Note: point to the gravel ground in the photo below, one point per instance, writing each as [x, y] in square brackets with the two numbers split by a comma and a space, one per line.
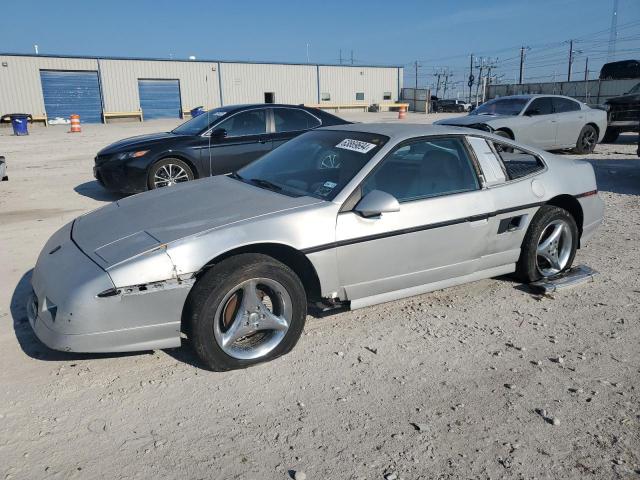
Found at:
[479, 381]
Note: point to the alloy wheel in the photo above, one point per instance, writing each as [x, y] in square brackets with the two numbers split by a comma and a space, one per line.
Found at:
[168, 175]
[253, 318]
[554, 248]
[589, 140]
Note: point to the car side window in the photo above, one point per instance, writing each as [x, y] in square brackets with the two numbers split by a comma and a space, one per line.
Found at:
[423, 169]
[540, 106]
[250, 122]
[517, 163]
[293, 120]
[562, 105]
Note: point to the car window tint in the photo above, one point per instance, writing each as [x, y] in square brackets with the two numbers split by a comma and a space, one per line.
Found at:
[318, 163]
[251, 122]
[292, 120]
[423, 169]
[517, 163]
[561, 105]
[541, 106]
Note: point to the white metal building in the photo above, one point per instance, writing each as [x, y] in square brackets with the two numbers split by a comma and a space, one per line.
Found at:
[99, 87]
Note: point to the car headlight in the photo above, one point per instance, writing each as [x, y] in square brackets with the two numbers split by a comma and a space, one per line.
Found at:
[481, 126]
[128, 155]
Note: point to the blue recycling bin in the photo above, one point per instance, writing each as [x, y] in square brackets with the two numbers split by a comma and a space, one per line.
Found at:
[197, 111]
[18, 122]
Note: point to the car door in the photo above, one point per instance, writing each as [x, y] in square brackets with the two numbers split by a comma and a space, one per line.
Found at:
[541, 128]
[571, 119]
[291, 122]
[238, 140]
[438, 234]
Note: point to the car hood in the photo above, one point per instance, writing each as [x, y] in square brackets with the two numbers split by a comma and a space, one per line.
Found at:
[132, 143]
[624, 99]
[471, 120]
[144, 222]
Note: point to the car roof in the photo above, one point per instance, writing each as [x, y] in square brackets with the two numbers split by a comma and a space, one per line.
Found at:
[529, 96]
[245, 106]
[403, 131]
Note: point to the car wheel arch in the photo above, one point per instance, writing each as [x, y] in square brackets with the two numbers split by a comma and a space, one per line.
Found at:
[571, 205]
[291, 257]
[506, 130]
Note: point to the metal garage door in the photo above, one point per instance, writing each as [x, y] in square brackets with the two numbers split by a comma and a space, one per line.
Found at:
[66, 93]
[160, 98]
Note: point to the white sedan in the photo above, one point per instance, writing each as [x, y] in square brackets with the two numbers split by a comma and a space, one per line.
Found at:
[550, 122]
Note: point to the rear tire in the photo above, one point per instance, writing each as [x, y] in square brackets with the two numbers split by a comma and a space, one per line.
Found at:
[227, 339]
[538, 246]
[587, 140]
[167, 172]
[611, 135]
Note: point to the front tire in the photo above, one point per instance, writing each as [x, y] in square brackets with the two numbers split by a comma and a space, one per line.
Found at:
[247, 309]
[611, 135]
[587, 140]
[549, 245]
[168, 172]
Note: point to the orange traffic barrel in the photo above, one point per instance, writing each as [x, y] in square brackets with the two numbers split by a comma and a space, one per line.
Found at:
[75, 123]
[402, 112]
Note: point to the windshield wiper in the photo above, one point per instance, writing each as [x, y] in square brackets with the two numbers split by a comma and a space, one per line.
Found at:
[235, 175]
[266, 184]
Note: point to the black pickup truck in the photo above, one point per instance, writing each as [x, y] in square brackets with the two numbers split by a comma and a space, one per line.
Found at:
[623, 114]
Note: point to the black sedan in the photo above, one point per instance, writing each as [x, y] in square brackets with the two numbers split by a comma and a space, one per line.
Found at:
[219, 141]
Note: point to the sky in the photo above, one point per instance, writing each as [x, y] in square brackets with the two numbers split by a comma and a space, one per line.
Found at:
[439, 35]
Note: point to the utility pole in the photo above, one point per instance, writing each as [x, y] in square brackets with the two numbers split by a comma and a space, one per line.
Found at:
[586, 80]
[522, 49]
[613, 33]
[351, 57]
[479, 66]
[415, 93]
[447, 74]
[437, 75]
[570, 60]
[470, 83]
[340, 56]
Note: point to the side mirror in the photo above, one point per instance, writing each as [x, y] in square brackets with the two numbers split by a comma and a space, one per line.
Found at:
[532, 112]
[218, 134]
[377, 202]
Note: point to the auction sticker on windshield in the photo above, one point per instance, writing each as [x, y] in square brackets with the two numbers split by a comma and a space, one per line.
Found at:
[356, 145]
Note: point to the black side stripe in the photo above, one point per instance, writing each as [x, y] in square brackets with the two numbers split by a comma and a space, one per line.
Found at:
[430, 226]
[419, 228]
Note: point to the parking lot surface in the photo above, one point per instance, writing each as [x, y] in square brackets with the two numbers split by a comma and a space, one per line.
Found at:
[483, 380]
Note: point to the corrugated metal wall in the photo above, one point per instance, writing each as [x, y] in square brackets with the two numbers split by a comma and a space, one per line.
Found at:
[591, 91]
[247, 83]
[21, 88]
[198, 82]
[342, 83]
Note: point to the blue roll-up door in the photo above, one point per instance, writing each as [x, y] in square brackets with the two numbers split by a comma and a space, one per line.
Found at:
[160, 98]
[66, 93]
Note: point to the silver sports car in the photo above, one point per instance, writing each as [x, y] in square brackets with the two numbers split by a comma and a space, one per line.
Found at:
[345, 216]
[550, 122]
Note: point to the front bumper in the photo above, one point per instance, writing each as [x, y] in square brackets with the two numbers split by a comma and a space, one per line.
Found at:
[66, 313]
[121, 177]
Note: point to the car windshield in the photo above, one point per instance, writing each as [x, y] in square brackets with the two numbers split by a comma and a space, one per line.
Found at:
[501, 106]
[635, 89]
[200, 123]
[318, 163]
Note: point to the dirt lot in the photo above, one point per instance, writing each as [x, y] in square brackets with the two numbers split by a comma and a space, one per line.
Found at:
[445, 385]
